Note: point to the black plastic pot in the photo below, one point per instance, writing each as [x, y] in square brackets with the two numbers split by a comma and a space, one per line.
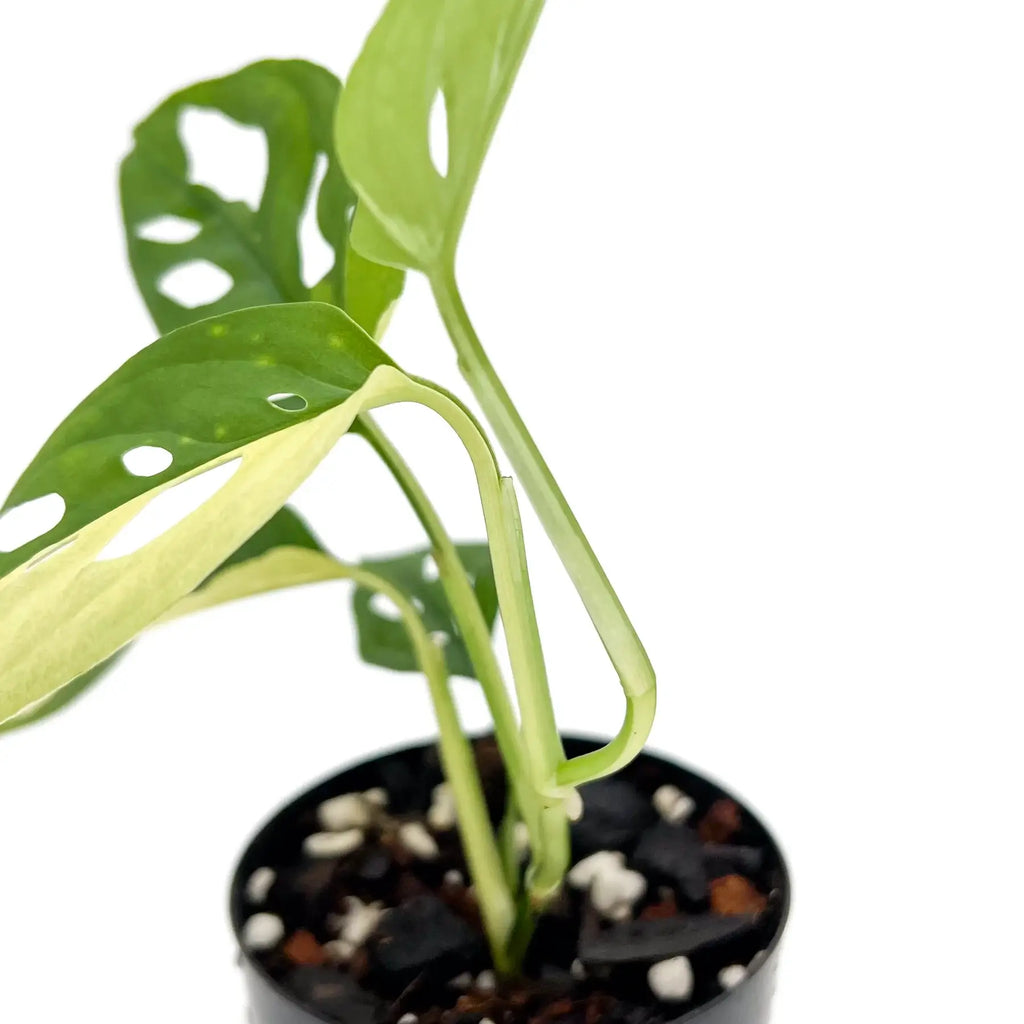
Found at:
[269, 1003]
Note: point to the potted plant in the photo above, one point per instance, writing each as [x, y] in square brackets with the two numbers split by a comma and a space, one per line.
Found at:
[519, 876]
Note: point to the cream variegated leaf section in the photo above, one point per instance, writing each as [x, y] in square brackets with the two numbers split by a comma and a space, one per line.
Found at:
[276, 570]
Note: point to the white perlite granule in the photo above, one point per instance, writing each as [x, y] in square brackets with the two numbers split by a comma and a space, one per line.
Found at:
[582, 875]
[338, 951]
[344, 812]
[672, 980]
[418, 841]
[614, 892]
[442, 814]
[258, 887]
[673, 804]
[614, 888]
[731, 976]
[377, 797]
[262, 932]
[332, 844]
[359, 921]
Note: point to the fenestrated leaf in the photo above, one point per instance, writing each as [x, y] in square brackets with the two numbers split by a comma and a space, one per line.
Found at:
[293, 103]
[201, 393]
[63, 612]
[467, 54]
[284, 553]
[382, 638]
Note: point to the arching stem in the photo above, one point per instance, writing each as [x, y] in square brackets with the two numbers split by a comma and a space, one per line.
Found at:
[627, 654]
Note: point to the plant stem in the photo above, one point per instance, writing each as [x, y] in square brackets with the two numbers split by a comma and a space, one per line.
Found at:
[536, 794]
[497, 905]
[470, 619]
[540, 730]
[627, 654]
[461, 596]
[507, 842]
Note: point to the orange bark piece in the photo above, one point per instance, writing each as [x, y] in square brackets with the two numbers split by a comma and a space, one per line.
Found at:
[721, 823]
[302, 948]
[734, 894]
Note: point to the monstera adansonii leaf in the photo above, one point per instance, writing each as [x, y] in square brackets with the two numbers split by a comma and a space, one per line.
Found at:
[459, 55]
[257, 397]
[292, 103]
[384, 641]
[172, 221]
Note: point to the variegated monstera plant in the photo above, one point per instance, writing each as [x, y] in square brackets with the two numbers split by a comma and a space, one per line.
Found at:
[255, 388]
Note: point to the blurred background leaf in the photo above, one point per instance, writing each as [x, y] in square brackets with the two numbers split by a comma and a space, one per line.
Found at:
[382, 638]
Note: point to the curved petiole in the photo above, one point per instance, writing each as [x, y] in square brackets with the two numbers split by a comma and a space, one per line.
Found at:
[626, 652]
[538, 794]
[497, 904]
[459, 591]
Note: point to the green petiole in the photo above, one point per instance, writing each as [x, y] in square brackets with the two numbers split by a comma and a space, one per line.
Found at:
[497, 905]
[626, 652]
[535, 750]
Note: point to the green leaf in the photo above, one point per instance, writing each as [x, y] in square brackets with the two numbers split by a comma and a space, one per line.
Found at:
[383, 639]
[464, 52]
[201, 394]
[293, 103]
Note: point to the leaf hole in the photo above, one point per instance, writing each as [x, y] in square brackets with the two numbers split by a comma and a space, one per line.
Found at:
[288, 402]
[223, 155]
[315, 252]
[439, 134]
[147, 460]
[30, 521]
[168, 229]
[167, 510]
[430, 571]
[196, 283]
[384, 608]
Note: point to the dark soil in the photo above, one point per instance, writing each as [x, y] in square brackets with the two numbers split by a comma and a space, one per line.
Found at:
[714, 896]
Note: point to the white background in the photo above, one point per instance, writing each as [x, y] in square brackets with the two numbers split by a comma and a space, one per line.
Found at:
[753, 272]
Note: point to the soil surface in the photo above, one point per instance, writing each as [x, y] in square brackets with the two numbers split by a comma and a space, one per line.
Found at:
[361, 908]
